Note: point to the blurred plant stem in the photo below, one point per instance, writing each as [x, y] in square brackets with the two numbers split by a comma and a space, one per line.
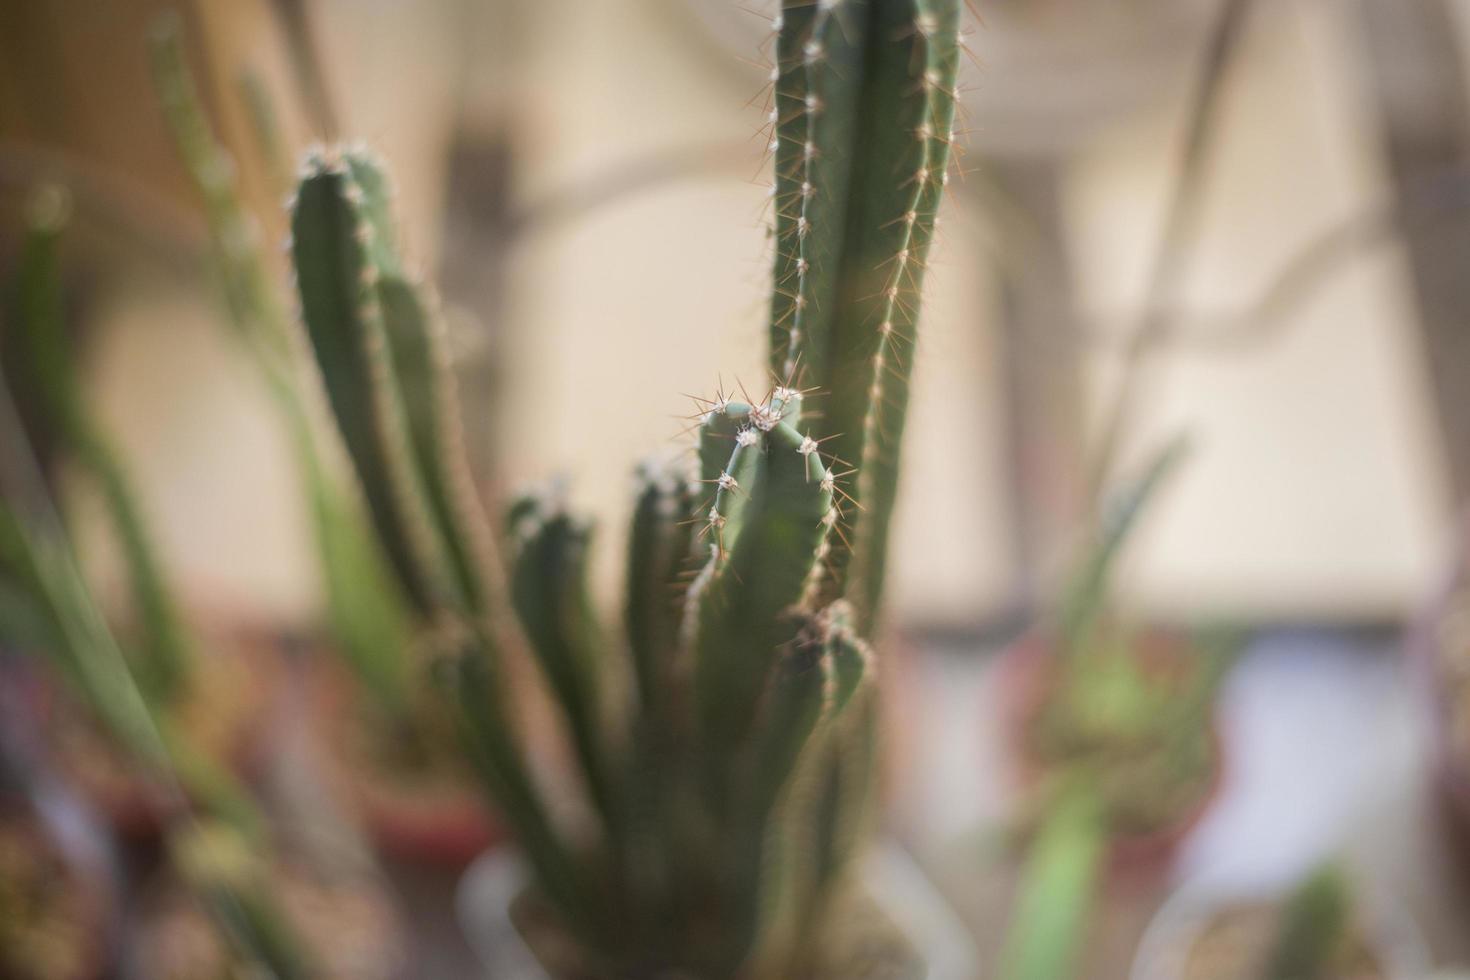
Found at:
[1181, 223]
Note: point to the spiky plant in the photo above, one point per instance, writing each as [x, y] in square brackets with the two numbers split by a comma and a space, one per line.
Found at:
[46, 607]
[727, 781]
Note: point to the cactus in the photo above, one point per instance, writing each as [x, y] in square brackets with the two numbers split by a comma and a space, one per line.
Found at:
[863, 117]
[727, 759]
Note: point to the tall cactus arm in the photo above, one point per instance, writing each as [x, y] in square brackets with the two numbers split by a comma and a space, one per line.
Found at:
[378, 342]
[877, 106]
[766, 531]
[421, 367]
[549, 593]
[39, 367]
[343, 322]
[891, 366]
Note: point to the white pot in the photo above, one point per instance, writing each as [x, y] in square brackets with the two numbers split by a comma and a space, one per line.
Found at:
[905, 894]
[1394, 936]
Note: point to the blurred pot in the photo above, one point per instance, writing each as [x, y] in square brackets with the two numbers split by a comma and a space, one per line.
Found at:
[348, 924]
[929, 941]
[57, 900]
[1391, 939]
[432, 816]
[1027, 675]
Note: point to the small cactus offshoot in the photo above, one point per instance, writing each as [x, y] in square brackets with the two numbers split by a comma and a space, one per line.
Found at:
[724, 737]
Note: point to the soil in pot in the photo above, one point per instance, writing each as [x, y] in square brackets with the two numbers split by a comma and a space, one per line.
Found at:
[1237, 942]
[861, 943]
[405, 780]
[53, 914]
[222, 716]
[347, 923]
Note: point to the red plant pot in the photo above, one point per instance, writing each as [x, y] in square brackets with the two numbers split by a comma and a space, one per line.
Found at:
[1026, 673]
[440, 822]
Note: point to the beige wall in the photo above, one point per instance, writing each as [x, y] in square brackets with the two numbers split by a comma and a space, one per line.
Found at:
[1315, 486]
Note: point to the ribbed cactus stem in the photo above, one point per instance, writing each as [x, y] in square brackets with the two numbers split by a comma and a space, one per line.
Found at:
[379, 342]
[864, 108]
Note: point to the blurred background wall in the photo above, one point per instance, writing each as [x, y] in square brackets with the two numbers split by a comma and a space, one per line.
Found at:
[589, 180]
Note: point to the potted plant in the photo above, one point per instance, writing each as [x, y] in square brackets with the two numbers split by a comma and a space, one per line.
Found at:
[213, 701]
[1112, 735]
[387, 748]
[1322, 929]
[725, 784]
[48, 609]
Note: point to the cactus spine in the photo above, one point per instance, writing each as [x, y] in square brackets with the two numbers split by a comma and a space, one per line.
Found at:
[728, 779]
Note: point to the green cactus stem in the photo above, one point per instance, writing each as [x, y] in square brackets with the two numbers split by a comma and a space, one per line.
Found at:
[730, 780]
[367, 615]
[864, 108]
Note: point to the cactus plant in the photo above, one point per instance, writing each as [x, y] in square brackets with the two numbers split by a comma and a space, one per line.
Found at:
[393, 757]
[726, 761]
[50, 608]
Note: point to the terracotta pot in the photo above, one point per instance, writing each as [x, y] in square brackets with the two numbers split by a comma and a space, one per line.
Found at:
[67, 892]
[349, 925]
[435, 818]
[1026, 674]
[225, 718]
